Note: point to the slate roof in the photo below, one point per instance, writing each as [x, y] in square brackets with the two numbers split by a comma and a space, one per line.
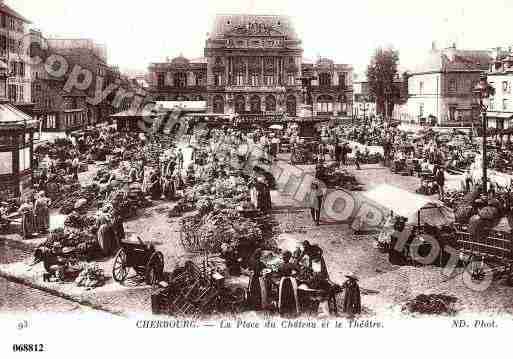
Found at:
[452, 59]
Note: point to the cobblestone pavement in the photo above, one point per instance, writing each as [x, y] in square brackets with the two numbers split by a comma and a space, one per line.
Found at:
[19, 298]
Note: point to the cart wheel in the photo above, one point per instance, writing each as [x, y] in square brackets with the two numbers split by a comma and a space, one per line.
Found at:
[154, 268]
[119, 269]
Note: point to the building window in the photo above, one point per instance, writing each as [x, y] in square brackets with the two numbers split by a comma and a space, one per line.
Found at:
[505, 104]
[269, 80]
[421, 87]
[239, 79]
[291, 79]
[505, 87]
[270, 103]
[218, 80]
[199, 79]
[325, 104]
[160, 79]
[491, 106]
[291, 105]
[325, 80]
[342, 80]
[11, 92]
[452, 113]
[180, 79]
[240, 104]
[453, 86]
[254, 104]
[255, 80]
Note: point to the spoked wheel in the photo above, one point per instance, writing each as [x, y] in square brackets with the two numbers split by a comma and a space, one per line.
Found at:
[154, 268]
[119, 269]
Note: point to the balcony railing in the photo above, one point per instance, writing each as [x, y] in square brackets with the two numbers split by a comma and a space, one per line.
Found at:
[247, 88]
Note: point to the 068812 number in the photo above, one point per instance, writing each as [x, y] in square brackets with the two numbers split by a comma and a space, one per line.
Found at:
[28, 348]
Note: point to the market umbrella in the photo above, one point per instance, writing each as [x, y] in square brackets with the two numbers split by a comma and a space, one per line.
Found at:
[276, 127]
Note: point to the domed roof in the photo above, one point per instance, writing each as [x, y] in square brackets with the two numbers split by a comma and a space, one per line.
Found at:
[180, 61]
[252, 25]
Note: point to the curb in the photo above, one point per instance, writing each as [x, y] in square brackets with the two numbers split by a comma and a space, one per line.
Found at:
[17, 244]
[54, 292]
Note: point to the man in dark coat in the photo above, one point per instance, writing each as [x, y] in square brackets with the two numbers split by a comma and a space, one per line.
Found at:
[440, 180]
[352, 298]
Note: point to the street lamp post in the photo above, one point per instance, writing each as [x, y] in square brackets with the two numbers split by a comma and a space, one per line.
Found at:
[483, 91]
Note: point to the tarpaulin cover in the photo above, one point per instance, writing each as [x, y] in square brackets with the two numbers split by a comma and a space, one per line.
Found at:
[407, 204]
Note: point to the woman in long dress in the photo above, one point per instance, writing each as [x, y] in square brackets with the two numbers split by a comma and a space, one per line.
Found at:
[105, 233]
[257, 289]
[352, 297]
[27, 219]
[42, 213]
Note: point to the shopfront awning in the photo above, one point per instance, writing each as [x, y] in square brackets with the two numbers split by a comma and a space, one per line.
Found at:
[11, 117]
[500, 115]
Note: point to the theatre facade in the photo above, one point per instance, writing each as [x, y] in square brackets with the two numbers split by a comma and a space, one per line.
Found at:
[254, 65]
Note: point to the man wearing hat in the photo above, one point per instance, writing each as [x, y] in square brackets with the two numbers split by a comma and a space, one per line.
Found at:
[352, 297]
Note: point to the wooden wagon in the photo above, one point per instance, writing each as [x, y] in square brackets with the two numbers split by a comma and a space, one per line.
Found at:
[142, 258]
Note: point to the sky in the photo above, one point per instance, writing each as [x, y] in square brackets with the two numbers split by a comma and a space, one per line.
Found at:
[140, 32]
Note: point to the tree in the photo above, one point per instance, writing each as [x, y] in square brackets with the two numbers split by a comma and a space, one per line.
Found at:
[381, 73]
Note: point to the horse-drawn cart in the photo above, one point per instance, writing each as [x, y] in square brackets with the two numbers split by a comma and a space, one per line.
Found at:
[142, 258]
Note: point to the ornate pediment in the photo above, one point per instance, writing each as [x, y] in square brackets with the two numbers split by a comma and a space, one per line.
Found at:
[254, 29]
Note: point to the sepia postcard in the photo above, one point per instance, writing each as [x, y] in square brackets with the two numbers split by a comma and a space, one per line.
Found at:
[193, 178]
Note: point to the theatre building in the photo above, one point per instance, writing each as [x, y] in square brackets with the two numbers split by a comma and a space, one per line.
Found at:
[253, 65]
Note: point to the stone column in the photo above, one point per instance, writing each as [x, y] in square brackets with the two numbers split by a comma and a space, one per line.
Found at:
[261, 71]
[226, 77]
[246, 61]
[276, 71]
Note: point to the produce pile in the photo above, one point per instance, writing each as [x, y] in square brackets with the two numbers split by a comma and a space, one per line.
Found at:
[68, 202]
[91, 276]
[217, 194]
[230, 228]
[438, 304]
[82, 242]
[472, 204]
[78, 221]
[126, 202]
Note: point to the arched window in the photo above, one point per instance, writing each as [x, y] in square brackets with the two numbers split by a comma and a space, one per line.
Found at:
[291, 105]
[270, 103]
[325, 104]
[325, 79]
[218, 104]
[240, 104]
[254, 103]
